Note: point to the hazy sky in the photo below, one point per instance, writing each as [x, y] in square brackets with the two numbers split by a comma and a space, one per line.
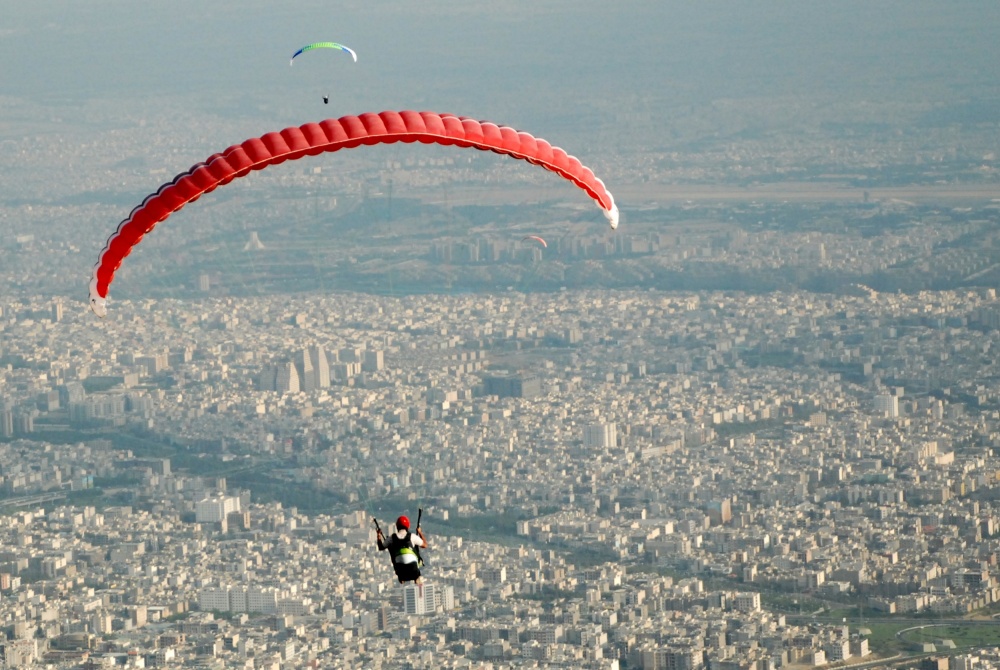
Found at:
[485, 58]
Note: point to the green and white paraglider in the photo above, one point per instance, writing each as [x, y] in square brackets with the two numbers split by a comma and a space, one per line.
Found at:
[324, 45]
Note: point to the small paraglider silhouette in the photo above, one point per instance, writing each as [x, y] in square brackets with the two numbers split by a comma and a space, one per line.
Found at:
[324, 45]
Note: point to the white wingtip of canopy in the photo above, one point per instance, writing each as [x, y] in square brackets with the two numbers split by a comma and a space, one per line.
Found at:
[613, 215]
[98, 305]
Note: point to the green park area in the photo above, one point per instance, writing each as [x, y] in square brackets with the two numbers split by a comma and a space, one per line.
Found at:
[961, 635]
[884, 640]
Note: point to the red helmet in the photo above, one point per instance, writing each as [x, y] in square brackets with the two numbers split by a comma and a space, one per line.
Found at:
[403, 522]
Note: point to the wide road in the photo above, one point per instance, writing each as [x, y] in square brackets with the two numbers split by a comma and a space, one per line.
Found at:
[33, 499]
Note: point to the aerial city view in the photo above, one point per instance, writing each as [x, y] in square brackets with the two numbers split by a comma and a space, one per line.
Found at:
[605, 336]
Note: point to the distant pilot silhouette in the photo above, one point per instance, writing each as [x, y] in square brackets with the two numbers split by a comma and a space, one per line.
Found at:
[326, 100]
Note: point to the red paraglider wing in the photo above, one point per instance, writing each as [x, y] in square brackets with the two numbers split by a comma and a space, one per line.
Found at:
[327, 136]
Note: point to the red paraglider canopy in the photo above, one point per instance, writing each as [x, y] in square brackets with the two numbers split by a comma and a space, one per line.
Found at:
[326, 136]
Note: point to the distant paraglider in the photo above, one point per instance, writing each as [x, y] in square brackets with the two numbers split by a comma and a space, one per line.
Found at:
[535, 238]
[323, 45]
[312, 139]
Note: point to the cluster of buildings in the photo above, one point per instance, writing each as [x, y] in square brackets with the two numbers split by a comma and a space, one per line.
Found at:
[167, 583]
[827, 449]
[313, 368]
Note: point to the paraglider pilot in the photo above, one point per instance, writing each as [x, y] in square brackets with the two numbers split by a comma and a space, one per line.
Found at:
[404, 549]
[326, 100]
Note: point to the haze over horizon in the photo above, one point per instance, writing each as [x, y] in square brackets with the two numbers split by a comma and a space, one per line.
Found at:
[665, 100]
[541, 64]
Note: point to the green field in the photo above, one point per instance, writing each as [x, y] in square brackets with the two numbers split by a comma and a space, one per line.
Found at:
[961, 635]
[883, 639]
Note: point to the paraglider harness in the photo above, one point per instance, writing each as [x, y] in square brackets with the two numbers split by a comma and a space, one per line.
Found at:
[399, 546]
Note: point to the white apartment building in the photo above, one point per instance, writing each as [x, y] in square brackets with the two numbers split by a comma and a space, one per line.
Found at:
[214, 510]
